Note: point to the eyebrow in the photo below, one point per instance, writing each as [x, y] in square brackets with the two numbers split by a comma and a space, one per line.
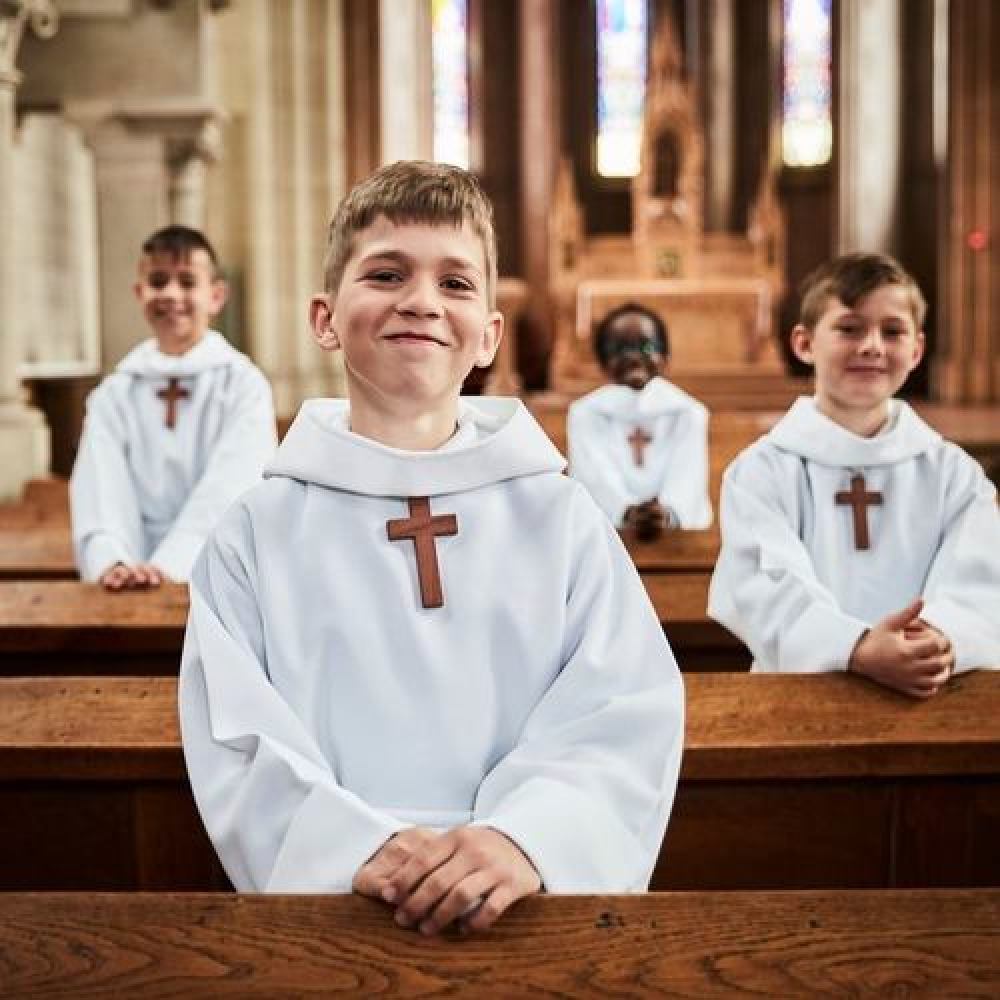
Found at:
[459, 263]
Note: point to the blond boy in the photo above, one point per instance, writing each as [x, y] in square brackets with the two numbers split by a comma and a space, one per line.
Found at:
[419, 663]
[175, 434]
[854, 537]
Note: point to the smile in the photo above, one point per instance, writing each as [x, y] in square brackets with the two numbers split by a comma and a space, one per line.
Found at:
[410, 337]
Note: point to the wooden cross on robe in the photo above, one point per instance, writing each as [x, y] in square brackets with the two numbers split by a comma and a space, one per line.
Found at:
[423, 528]
[859, 499]
[638, 439]
[170, 396]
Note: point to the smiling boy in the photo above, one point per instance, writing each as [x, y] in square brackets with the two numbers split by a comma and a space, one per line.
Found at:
[640, 444]
[175, 434]
[854, 537]
[419, 663]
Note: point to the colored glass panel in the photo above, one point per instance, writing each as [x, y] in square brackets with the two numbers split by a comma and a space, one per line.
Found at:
[807, 125]
[450, 44]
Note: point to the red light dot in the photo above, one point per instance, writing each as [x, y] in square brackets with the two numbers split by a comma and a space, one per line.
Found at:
[976, 240]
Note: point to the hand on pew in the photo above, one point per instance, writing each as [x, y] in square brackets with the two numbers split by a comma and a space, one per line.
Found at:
[905, 653]
[471, 875]
[138, 576]
[648, 520]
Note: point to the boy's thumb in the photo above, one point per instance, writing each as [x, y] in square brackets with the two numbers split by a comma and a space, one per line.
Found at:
[900, 619]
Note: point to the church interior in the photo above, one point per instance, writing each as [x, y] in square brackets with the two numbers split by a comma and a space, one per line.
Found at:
[698, 157]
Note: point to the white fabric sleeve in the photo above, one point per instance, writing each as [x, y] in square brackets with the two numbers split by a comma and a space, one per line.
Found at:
[765, 589]
[590, 465]
[271, 804]
[962, 592]
[104, 510]
[687, 494]
[247, 442]
[587, 790]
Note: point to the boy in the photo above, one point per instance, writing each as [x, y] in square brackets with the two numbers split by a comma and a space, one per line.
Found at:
[419, 662]
[854, 537]
[640, 445]
[175, 434]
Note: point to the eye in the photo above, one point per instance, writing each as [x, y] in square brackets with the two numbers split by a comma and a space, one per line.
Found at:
[383, 276]
[893, 332]
[158, 280]
[850, 328]
[457, 284]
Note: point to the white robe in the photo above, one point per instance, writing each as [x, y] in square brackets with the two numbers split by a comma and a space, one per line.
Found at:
[790, 581]
[142, 492]
[323, 708]
[674, 469]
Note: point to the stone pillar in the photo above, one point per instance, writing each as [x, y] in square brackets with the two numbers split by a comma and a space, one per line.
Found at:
[405, 80]
[720, 159]
[870, 122]
[188, 161]
[24, 436]
[967, 369]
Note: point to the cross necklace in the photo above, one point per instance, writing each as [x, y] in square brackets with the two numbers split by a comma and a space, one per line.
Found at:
[170, 396]
[638, 439]
[421, 527]
[859, 499]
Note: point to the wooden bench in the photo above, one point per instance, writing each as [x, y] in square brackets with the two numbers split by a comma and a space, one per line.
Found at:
[60, 628]
[802, 944]
[37, 552]
[787, 782]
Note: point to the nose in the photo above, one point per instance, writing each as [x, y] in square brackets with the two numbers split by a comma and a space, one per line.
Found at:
[872, 342]
[420, 298]
[170, 290]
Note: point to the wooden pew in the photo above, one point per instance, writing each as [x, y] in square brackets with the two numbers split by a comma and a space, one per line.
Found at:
[63, 628]
[803, 944]
[787, 782]
[37, 552]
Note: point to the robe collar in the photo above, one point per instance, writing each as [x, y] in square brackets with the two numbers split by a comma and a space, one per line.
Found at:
[804, 431]
[147, 360]
[497, 439]
[656, 398]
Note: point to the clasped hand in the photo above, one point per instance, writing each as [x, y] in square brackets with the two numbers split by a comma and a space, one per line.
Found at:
[138, 576]
[905, 653]
[470, 876]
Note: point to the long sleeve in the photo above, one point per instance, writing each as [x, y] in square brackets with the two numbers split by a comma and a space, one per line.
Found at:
[589, 465]
[587, 790]
[104, 510]
[765, 589]
[685, 490]
[962, 593]
[235, 463]
[271, 804]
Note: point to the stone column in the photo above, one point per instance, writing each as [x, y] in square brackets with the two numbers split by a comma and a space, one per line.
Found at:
[870, 117]
[24, 436]
[720, 159]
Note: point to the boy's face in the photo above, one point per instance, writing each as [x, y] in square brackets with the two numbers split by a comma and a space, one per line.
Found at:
[862, 356]
[180, 296]
[411, 316]
[633, 352]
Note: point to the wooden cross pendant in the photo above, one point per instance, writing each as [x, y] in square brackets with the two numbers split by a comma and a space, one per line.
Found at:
[859, 500]
[422, 528]
[170, 396]
[638, 439]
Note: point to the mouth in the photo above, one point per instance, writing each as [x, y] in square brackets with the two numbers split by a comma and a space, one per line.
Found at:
[413, 337]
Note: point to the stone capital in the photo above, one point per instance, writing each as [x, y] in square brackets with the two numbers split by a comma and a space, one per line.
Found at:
[41, 16]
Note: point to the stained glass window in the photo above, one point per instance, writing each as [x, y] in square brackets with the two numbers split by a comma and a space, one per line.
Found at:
[621, 85]
[807, 126]
[450, 43]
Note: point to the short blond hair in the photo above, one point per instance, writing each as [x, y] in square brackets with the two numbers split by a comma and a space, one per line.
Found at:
[850, 278]
[412, 191]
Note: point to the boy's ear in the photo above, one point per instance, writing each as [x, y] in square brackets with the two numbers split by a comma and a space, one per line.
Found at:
[220, 295]
[492, 336]
[919, 347]
[321, 322]
[801, 339]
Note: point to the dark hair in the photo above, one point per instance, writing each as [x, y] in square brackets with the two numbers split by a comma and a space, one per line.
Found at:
[178, 242]
[850, 278]
[602, 334]
[412, 191]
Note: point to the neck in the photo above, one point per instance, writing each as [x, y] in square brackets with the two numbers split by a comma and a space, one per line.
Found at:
[420, 432]
[863, 422]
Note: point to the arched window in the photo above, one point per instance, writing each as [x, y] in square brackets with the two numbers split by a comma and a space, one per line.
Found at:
[807, 124]
[450, 45]
[622, 44]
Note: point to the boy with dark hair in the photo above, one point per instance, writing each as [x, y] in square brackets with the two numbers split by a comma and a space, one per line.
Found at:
[640, 444]
[419, 662]
[175, 434]
[853, 536]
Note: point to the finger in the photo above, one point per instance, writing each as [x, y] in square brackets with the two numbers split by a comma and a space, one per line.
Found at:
[423, 882]
[462, 900]
[900, 619]
[423, 861]
[921, 649]
[493, 907]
